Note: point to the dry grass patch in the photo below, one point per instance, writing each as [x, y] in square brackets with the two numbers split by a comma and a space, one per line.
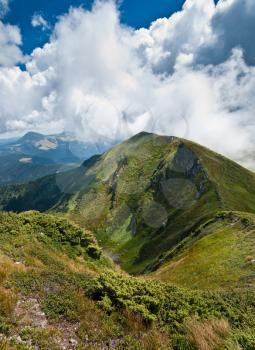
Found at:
[93, 325]
[155, 339]
[134, 322]
[77, 265]
[7, 302]
[7, 267]
[4, 345]
[207, 335]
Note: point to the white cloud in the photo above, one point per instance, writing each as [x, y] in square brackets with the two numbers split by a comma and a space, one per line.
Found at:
[233, 25]
[4, 7]
[98, 78]
[181, 34]
[10, 41]
[39, 21]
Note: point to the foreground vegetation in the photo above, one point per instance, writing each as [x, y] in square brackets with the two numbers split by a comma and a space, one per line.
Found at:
[58, 291]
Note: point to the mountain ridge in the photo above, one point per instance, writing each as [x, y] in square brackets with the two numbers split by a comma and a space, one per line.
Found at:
[142, 198]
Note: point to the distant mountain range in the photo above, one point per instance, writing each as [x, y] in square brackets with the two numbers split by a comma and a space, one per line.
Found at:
[35, 155]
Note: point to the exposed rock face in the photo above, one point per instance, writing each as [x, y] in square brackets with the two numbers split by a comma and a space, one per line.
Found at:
[187, 163]
[181, 179]
[184, 160]
[121, 163]
[133, 225]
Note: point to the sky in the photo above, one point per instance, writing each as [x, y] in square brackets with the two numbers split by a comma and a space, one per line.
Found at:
[133, 13]
[106, 71]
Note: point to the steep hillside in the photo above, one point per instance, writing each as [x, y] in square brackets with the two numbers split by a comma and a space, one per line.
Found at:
[143, 197]
[41, 258]
[57, 291]
[218, 254]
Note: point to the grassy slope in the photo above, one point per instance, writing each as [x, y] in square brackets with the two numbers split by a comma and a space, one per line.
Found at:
[41, 241]
[56, 293]
[234, 184]
[44, 263]
[228, 186]
[220, 254]
[150, 160]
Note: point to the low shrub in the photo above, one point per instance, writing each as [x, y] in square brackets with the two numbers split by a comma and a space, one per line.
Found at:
[94, 251]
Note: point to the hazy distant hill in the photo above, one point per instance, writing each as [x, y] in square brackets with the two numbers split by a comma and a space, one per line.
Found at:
[20, 168]
[35, 155]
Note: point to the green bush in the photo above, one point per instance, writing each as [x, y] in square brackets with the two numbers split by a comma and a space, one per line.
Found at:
[5, 325]
[94, 251]
[246, 339]
[61, 305]
[170, 305]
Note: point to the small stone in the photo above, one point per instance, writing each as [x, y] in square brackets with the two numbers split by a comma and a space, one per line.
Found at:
[17, 339]
[73, 342]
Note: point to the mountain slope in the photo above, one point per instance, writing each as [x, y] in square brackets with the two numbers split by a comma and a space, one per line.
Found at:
[143, 197]
[218, 254]
[58, 292]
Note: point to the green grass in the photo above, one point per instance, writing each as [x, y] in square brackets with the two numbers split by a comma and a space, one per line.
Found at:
[220, 256]
[45, 259]
[234, 184]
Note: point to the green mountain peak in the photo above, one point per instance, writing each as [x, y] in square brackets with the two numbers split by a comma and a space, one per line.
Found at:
[143, 197]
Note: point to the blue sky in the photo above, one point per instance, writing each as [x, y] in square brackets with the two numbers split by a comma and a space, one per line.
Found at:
[135, 13]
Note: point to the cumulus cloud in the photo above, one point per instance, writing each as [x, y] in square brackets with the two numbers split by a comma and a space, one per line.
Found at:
[180, 35]
[4, 7]
[10, 41]
[188, 75]
[233, 25]
[39, 21]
